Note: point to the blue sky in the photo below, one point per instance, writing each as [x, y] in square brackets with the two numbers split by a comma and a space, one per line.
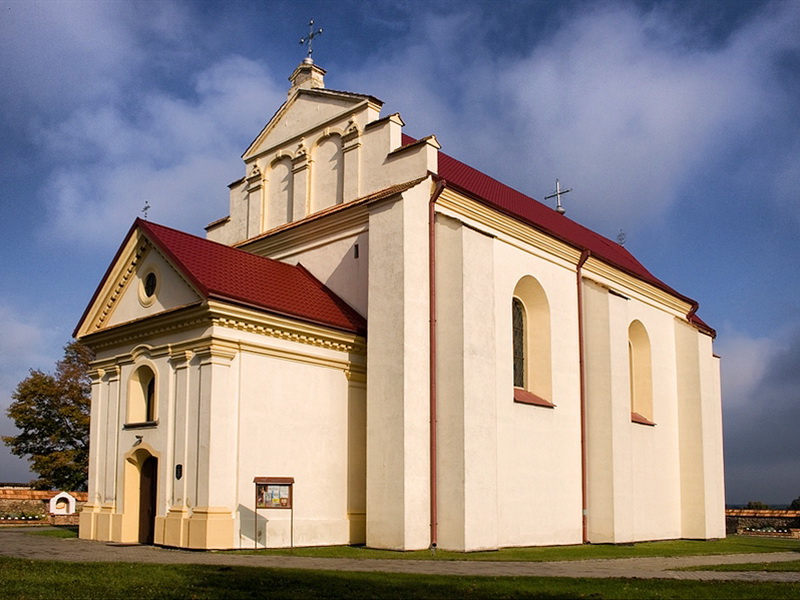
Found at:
[677, 122]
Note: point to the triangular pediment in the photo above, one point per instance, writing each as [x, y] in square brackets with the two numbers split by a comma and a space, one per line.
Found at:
[306, 111]
[141, 282]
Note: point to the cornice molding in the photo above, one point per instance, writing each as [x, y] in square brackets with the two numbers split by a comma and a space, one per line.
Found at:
[345, 219]
[625, 284]
[216, 314]
[284, 354]
[344, 223]
[310, 132]
[473, 213]
[478, 214]
[180, 319]
[117, 281]
[285, 328]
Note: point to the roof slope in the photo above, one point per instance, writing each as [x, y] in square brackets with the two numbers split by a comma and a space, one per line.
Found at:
[228, 274]
[489, 191]
[506, 199]
[525, 208]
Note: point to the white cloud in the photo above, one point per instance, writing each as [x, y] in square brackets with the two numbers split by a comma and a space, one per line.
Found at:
[60, 53]
[761, 409]
[626, 106]
[744, 362]
[28, 341]
[177, 153]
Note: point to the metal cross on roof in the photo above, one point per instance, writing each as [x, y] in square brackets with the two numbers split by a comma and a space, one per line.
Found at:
[146, 208]
[557, 195]
[310, 37]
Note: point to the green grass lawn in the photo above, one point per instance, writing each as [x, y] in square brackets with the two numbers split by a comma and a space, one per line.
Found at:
[789, 566]
[62, 531]
[730, 545]
[26, 579]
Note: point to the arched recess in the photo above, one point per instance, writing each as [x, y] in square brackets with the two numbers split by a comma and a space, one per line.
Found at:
[140, 489]
[142, 397]
[327, 173]
[532, 371]
[279, 193]
[641, 374]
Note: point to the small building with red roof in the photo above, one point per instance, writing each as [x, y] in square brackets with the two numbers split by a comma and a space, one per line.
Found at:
[382, 345]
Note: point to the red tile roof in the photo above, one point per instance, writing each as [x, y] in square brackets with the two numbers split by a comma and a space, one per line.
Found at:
[225, 273]
[232, 275]
[487, 190]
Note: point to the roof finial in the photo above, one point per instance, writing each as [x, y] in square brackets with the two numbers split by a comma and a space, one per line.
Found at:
[308, 39]
[621, 237]
[557, 195]
[146, 208]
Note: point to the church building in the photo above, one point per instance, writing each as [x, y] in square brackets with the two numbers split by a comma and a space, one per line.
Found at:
[381, 345]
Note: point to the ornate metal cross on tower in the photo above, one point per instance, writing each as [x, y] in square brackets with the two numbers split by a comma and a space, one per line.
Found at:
[310, 38]
[559, 209]
[146, 208]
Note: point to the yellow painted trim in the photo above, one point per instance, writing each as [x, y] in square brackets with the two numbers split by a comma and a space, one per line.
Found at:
[455, 205]
[118, 281]
[287, 328]
[113, 285]
[281, 145]
[132, 465]
[307, 359]
[349, 215]
[180, 319]
[211, 528]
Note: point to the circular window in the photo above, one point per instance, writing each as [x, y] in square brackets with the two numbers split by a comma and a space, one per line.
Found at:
[150, 285]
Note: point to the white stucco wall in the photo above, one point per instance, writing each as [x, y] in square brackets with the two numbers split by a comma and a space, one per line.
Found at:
[398, 386]
[539, 460]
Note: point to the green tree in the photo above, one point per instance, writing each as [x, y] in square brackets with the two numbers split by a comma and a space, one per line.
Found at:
[52, 415]
[795, 505]
[755, 504]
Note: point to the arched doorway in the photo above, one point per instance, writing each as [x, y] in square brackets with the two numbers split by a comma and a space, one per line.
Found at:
[148, 479]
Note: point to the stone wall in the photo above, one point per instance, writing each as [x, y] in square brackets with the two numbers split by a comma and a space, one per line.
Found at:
[18, 501]
[758, 522]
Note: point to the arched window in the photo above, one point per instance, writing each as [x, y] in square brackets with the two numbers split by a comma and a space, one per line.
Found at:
[279, 194]
[641, 374]
[142, 404]
[327, 173]
[518, 332]
[530, 325]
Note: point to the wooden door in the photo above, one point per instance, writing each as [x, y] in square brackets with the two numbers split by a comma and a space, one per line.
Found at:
[147, 500]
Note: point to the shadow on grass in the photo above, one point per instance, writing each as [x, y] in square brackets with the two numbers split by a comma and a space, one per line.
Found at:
[667, 548]
[23, 579]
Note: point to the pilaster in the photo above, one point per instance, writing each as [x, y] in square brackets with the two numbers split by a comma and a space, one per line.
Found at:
[216, 403]
[351, 150]
[255, 202]
[179, 363]
[466, 384]
[398, 422]
[301, 181]
[608, 437]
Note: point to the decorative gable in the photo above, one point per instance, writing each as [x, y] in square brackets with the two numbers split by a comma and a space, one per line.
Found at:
[308, 113]
[140, 283]
[158, 270]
